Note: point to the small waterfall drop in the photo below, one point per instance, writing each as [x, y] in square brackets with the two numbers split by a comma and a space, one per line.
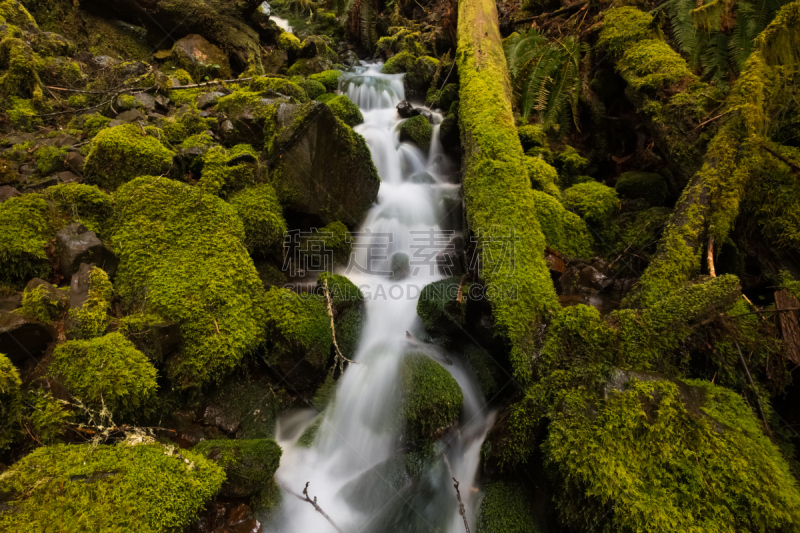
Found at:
[359, 435]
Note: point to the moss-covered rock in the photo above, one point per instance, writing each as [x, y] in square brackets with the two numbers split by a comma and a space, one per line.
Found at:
[680, 444]
[43, 302]
[543, 176]
[91, 319]
[49, 159]
[10, 401]
[418, 131]
[313, 89]
[343, 292]
[227, 170]
[645, 185]
[298, 326]
[249, 464]
[182, 257]
[23, 231]
[105, 371]
[120, 154]
[200, 58]
[432, 398]
[505, 508]
[261, 215]
[328, 78]
[104, 488]
[563, 230]
[439, 308]
[76, 202]
[346, 110]
[419, 75]
[399, 63]
[289, 43]
[592, 200]
[532, 136]
[270, 87]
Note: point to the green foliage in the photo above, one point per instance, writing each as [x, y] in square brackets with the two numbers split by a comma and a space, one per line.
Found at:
[505, 509]
[328, 78]
[122, 153]
[23, 232]
[10, 402]
[298, 324]
[268, 86]
[694, 448]
[646, 185]
[652, 65]
[563, 230]
[92, 319]
[39, 304]
[228, 170]
[592, 200]
[623, 27]
[182, 257]
[45, 416]
[417, 130]
[81, 203]
[49, 159]
[346, 110]
[261, 215]
[398, 63]
[432, 399]
[147, 488]
[105, 371]
[546, 77]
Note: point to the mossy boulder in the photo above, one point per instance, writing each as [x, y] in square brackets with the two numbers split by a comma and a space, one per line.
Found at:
[289, 43]
[261, 215]
[399, 63]
[89, 313]
[227, 170]
[532, 136]
[200, 58]
[343, 293]
[563, 230]
[122, 153]
[244, 409]
[313, 89]
[505, 508]
[15, 13]
[543, 176]
[298, 327]
[23, 235]
[10, 401]
[418, 131]
[81, 203]
[439, 308]
[271, 87]
[146, 487]
[249, 464]
[309, 66]
[43, 302]
[592, 200]
[432, 399]
[647, 439]
[310, 178]
[346, 110]
[105, 371]
[328, 78]
[419, 76]
[648, 186]
[182, 257]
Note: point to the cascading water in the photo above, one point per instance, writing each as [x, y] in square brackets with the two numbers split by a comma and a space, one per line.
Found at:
[358, 436]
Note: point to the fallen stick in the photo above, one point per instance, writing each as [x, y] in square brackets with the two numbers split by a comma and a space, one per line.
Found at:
[313, 502]
[461, 509]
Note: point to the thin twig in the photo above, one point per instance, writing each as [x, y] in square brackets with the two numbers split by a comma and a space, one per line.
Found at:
[753, 387]
[767, 311]
[340, 358]
[461, 509]
[313, 502]
[206, 84]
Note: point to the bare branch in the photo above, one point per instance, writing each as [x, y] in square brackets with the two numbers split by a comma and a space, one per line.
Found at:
[340, 358]
[313, 502]
[461, 509]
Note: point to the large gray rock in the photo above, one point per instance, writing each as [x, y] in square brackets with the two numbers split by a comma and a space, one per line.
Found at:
[77, 245]
[22, 339]
[321, 166]
[6, 192]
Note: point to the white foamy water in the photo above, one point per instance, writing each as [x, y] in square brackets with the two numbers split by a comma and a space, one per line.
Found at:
[359, 430]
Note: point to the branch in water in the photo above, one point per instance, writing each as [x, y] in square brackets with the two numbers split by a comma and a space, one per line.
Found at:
[313, 502]
[461, 509]
[340, 358]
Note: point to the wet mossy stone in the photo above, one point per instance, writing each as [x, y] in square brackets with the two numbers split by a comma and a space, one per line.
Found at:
[309, 177]
[532, 136]
[298, 326]
[81, 203]
[200, 58]
[90, 302]
[684, 444]
[328, 78]
[122, 153]
[592, 200]
[505, 508]
[645, 185]
[244, 409]
[418, 131]
[399, 63]
[182, 257]
[419, 75]
[23, 235]
[15, 13]
[343, 293]
[313, 89]
[10, 401]
[439, 308]
[289, 42]
[146, 487]
[105, 372]
[346, 110]
[249, 464]
[261, 215]
[43, 302]
[432, 399]
[272, 87]
[543, 176]
[563, 230]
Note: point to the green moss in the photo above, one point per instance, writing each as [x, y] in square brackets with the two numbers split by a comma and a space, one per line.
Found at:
[180, 128]
[147, 488]
[653, 65]
[543, 176]
[312, 88]
[346, 110]
[485, 367]
[10, 402]
[92, 319]
[439, 308]
[694, 448]
[49, 159]
[418, 131]
[268, 86]
[420, 74]
[593, 201]
[623, 27]
[298, 324]
[182, 257]
[306, 440]
[23, 232]
[570, 165]
[38, 303]
[90, 124]
[45, 416]
[344, 293]
[15, 13]
[646, 185]
[22, 114]
[532, 136]
[563, 231]
[431, 397]
[107, 38]
[505, 508]
[261, 215]
[328, 78]
[288, 42]
[249, 464]
[398, 63]
[334, 239]
[76, 202]
[225, 171]
[120, 154]
[105, 372]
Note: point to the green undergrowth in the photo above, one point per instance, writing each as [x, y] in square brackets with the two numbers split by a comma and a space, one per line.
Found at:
[505, 508]
[10, 401]
[148, 488]
[23, 233]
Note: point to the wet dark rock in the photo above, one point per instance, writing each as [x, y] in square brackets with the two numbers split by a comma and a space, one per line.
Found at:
[243, 410]
[68, 177]
[208, 99]
[145, 100]
[9, 303]
[275, 61]
[22, 339]
[162, 102]
[406, 110]
[77, 245]
[133, 68]
[450, 136]
[583, 278]
[349, 58]
[198, 56]
[6, 192]
[75, 162]
[132, 115]
[39, 184]
[79, 286]
[157, 340]
[66, 141]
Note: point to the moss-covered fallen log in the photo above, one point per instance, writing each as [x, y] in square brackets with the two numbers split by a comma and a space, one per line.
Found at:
[499, 198]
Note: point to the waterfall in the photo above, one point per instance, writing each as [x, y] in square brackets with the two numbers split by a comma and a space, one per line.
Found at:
[359, 430]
